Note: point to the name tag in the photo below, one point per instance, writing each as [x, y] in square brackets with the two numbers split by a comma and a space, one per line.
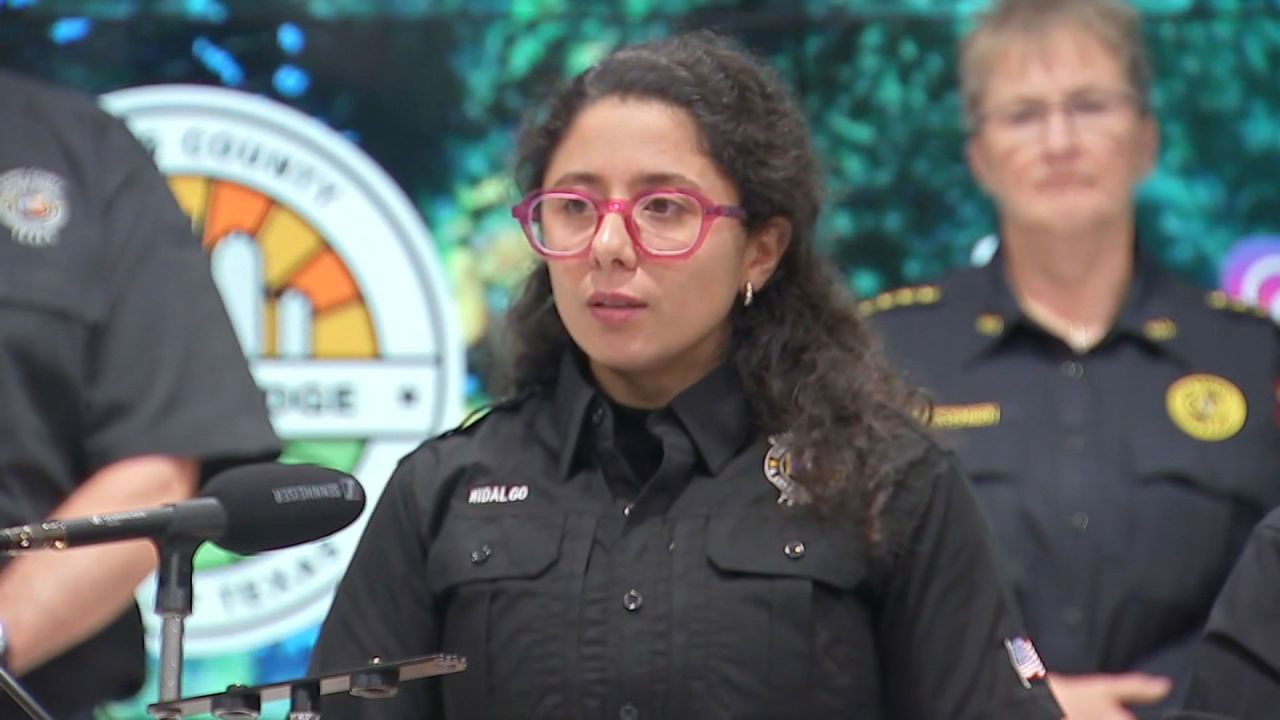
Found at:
[975, 415]
[486, 494]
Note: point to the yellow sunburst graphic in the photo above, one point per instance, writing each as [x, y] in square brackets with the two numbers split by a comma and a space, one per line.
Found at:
[295, 259]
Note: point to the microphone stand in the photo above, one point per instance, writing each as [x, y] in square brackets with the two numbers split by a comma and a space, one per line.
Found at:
[21, 696]
[173, 605]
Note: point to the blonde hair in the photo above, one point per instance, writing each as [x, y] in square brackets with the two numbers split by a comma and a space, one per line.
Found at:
[1112, 22]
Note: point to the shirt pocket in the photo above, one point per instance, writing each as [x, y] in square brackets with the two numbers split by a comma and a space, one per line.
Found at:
[1184, 520]
[44, 338]
[789, 632]
[494, 579]
[996, 465]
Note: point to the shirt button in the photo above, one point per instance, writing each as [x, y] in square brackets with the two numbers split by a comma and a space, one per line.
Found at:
[626, 511]
[632, 600]
[597, 415]
[794, 550]
[1080, 520]
[629, 712]
[1072, 617]
[481, 554]
[1072, 369]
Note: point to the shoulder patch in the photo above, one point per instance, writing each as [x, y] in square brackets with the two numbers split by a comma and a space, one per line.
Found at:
[1219, 300]
[908, 296]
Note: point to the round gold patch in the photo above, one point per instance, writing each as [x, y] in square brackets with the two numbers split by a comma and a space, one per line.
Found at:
[989, 324]
[1160, 329]
[1206, 407]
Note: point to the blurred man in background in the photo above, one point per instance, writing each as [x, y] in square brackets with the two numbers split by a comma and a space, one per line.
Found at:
[121, 385]
[1117, 423]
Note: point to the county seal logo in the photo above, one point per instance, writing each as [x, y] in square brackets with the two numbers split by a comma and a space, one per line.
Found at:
[339, 301]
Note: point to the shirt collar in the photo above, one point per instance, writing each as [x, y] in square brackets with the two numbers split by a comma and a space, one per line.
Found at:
[1148, 307]
[714, 411]
[1145, 313]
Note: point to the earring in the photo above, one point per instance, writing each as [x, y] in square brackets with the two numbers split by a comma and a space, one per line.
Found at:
[749, 296]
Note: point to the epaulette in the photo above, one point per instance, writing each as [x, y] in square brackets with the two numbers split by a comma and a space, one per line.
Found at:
[477, 416]
[1219, 300]
[909, 296]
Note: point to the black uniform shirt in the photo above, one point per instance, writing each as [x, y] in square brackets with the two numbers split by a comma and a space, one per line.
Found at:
[113, 340]
[1121, 483]
[522, 543]
[1236, 667]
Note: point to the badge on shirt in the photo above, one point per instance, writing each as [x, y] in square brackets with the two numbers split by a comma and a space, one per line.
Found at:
[989, 324]
[487, 494]
[1276, 412]
[33, 205]
[1025, 660]
[974, 415]
[777, 470]
[1161, 329]
[1207, 407]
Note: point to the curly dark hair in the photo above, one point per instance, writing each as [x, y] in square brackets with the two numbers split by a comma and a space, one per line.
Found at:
[807, 361]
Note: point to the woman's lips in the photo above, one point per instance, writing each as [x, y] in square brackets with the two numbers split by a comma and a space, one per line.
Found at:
[614, 308]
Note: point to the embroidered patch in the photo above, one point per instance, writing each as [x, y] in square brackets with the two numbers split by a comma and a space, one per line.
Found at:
[975, 415]
[901, 297]
[1276, 410]
[33, 205]
[1206, 407]
[989, 324]
[1160, 329]
[485, 494]
[1025, 660]
[777, 470]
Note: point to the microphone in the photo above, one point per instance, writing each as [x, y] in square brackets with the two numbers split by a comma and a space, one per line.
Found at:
[247, 509]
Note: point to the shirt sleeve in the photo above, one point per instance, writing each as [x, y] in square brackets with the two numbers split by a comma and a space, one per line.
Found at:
[165, 373]
[946, 616]
[1236, 666]
[384, 607]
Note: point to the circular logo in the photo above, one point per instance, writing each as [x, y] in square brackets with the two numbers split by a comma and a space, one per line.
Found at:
[1206, 407]
[33, 205]
[1251, 272]
[338, 299]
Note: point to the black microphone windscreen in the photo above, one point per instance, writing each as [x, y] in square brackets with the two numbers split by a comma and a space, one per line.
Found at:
[272, 505]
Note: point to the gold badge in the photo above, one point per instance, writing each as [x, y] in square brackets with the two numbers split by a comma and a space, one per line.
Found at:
[777, 470]
[989, 324]
[976, 415]
[1206, 407]
[1160, 329]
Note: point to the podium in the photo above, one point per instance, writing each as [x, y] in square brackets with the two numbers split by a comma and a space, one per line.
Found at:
[374, 681]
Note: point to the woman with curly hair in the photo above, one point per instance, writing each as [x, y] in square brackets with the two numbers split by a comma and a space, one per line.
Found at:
[707, 497]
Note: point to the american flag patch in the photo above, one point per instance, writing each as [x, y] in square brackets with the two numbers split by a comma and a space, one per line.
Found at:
[1026, 661]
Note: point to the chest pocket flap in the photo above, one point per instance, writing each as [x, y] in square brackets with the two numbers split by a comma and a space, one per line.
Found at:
[498, 547]
[52, 290]
[1236, 469]
[788, 544]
